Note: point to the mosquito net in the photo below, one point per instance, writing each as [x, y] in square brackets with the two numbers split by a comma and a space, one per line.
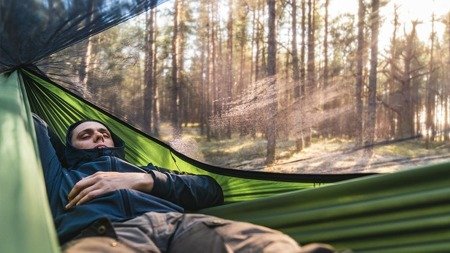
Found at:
[352, 90]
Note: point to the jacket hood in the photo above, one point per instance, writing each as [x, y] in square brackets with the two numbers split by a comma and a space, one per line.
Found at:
[74, 157]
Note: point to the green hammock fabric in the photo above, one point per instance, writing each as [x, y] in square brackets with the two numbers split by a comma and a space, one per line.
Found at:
[407, 211]
[60, 109]
[25, 221]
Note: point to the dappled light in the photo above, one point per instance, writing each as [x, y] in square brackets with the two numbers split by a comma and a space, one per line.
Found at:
[355, 82]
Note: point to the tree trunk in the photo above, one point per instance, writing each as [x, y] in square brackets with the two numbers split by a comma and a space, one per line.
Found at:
[303, 51]
[204, 56]
[252, 48]
[296, 75]
[203, 86]
[259, 39]
[326, 105]
[240, 84]
[259, 56]
[393, 69]
[295, 60]
[406, 117]
[183, 91]
[155, 107]
[359, 75]
[229, 75]
[372, 106]
[213, 63]
[209, 60]
[148, 75]
[446, 90]
[271, 74]
[300, 142]
[174, 92]
[430, 91]
[325, 46]
[310, 68]
[84, 70]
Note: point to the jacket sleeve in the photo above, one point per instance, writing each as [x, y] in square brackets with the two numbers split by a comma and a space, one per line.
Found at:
[51, 164]
[192, 192]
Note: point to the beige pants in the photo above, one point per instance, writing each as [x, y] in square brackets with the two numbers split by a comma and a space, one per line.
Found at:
[192, 233]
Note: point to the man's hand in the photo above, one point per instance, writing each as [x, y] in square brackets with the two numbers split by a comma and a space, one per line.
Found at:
[100, 183]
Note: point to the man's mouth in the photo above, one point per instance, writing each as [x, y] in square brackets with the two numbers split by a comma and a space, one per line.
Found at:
[100, 146]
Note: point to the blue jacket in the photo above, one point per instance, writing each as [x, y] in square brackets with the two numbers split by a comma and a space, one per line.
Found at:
[171, 192]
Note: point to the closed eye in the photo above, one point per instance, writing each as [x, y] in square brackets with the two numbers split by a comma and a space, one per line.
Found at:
[85, 136]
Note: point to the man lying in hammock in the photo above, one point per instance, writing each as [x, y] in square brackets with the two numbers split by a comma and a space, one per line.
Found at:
[102, 203]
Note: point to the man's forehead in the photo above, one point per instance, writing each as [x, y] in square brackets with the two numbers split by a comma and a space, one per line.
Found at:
[89, 125]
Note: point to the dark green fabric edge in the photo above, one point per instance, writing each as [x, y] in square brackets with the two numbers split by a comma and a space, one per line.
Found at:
[26, 224]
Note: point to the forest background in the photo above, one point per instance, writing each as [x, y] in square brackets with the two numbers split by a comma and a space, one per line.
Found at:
[296, 86]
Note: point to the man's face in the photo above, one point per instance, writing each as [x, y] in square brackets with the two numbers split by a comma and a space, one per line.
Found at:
[91, 134]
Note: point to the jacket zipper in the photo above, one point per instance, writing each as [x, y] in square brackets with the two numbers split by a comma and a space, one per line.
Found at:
[123, 194]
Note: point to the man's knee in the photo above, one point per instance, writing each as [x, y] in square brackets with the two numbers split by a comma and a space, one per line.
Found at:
[211, 234]
[97, 245]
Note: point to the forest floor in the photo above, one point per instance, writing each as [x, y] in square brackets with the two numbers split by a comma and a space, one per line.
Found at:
[324, 156]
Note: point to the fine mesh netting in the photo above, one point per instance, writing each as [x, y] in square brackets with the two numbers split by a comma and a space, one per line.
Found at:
[196, 74]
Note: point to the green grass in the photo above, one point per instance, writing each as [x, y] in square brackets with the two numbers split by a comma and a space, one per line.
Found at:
[413, 149]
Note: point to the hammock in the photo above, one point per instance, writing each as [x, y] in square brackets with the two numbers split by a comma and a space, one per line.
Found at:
[406, 211]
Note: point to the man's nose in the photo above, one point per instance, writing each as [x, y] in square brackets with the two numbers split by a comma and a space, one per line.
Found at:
[99, 137]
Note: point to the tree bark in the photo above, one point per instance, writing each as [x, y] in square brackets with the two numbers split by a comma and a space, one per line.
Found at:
[296, 75]
[303, 51]
[204, 56]
[155, 108]
[295, 60]
[359, 75]
[300, 142]
[325, 46]
[148, 75]
[406, 117]
[213, 63]
[229, 70]
[393, 68]
[271, 74]
[446, 90]
[174, 92]
[326, 105]
[84, 70]
[310, 68]
[372, 106]
[431, 92]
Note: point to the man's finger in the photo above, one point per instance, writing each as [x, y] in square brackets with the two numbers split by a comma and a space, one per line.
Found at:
[90, 195]
[80, 186]
[80, 195]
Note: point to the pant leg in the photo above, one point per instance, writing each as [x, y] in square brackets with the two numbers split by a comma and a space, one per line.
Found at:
[151, 232]
[192, 233]
[202, 233]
